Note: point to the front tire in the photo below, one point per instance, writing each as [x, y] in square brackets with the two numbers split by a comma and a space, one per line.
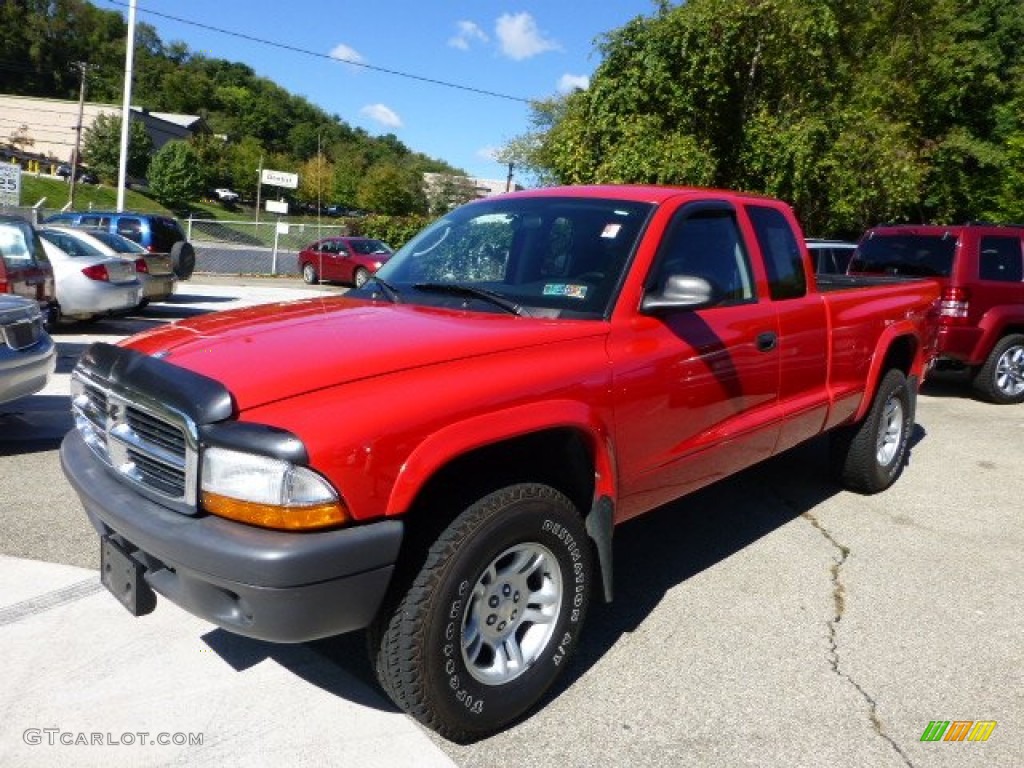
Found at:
[309, 275]
[359, 277]
[1001, 379]
[492, 617]
[869, 456]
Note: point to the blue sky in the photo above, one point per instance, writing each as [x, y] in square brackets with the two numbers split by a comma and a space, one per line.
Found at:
[524, 49]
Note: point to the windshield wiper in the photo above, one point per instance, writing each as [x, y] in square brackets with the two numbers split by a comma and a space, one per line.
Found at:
[389, 291]
[470, 291]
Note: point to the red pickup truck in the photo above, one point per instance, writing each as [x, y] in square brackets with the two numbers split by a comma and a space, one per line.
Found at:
[441, 455]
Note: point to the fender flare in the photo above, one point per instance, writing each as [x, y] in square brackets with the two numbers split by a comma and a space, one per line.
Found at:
[890, 335]
[462, 437]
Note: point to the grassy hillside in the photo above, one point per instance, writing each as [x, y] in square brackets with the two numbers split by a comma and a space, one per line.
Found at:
[98, 196]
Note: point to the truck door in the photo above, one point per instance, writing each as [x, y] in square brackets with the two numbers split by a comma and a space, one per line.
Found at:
[696, 389]
[803, 327]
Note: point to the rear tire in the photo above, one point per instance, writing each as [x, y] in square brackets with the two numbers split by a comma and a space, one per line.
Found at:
[491, 618]
[869, 456]
[1001, 379]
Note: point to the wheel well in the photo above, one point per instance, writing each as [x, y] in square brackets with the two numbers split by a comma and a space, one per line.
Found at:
[560, 458]
[900, 355]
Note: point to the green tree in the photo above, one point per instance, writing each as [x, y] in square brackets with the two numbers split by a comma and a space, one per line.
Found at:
[101, 147]
[174, 175]
[393, 190]
[316, 178]
[855, 112]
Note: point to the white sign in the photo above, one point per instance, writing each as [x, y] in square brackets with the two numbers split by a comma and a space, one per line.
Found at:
[277, 206]
[280, 179]
[10, 184]
[282, 227]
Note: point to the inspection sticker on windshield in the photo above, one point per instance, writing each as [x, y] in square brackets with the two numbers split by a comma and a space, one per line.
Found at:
[566, 289]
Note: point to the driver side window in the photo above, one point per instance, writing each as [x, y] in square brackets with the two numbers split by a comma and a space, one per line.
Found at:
[708, 244]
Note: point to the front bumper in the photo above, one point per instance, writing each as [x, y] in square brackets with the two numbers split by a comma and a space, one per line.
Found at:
[272, 585]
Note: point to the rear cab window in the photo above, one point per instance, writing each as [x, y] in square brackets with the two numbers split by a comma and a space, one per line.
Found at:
[783, 258]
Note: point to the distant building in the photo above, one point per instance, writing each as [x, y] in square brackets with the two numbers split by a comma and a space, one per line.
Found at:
[45, 128]
[445, 190]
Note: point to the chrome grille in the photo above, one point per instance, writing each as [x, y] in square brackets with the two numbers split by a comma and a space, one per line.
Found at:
[22, 333]
[152, 447]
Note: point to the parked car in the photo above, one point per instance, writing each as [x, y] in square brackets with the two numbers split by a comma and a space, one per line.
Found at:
[82, 174]
[28, 355]
[343, 259]
[226, 195]
[981, 311]
[90, 281]
[154, 232]
[24, 267]
[830, 257]
[153, 269]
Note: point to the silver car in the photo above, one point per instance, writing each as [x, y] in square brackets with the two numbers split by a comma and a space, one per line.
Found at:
[155, 270]
[90, 281]
[28, 356]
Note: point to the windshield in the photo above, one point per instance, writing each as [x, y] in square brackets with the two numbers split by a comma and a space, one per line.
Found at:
[919, 255]
[545, 256]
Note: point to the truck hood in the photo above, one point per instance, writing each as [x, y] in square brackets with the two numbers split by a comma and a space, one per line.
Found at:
[275, 351]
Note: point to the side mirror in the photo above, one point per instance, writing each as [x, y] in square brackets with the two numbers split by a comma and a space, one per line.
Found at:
[682, 292]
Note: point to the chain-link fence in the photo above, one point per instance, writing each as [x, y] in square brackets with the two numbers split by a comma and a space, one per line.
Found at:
[266, 247]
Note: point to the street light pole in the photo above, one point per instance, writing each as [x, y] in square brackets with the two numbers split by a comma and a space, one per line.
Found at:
[126, 105]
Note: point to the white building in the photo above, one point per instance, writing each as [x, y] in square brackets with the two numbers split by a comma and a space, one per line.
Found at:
[45, 128]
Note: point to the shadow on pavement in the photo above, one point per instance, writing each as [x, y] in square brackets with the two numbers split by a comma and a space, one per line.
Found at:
[34, 424]
[337, 665]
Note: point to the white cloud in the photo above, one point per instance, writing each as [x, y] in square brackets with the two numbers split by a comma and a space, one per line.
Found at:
[568, 83]
[382, 114]
[520, 38]
[468, 33]
[343, 52]
[488, 153]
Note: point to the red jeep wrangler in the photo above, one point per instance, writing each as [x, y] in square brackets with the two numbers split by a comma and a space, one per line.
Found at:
[981, 312]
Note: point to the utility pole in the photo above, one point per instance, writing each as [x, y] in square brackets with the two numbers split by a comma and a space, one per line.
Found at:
[82, 68]
[508, 181]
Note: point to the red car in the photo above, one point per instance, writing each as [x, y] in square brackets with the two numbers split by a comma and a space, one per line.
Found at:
[343, 259]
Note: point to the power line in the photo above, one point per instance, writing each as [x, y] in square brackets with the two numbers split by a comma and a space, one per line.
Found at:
[307, 52]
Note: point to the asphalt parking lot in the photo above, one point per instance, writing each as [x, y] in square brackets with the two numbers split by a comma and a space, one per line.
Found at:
[771, 620]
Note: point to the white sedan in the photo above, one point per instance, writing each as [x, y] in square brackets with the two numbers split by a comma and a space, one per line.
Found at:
[90, 281]
[155, 270]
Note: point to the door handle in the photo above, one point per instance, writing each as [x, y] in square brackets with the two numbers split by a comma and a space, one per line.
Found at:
[767, 341]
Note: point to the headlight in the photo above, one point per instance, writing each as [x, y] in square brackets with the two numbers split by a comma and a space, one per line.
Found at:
[267, 492]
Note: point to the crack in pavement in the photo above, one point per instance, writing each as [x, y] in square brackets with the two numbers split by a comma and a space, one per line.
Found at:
[839, 600]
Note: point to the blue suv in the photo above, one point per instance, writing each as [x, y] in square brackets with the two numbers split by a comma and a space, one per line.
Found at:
[154, 232]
